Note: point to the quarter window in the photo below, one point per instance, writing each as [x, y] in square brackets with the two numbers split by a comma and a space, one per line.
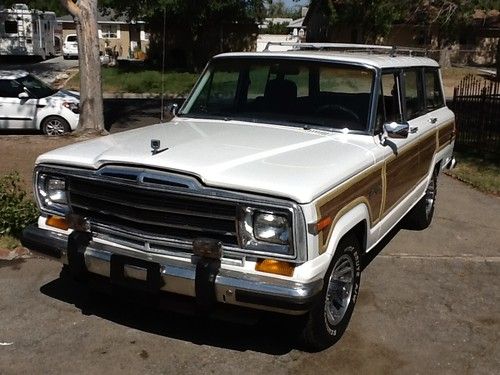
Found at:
[433, 93]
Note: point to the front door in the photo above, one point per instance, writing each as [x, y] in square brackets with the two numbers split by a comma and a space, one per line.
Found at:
[15, 112]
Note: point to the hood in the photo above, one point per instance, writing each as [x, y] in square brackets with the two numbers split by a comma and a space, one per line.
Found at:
[276, 160]
[66, 95]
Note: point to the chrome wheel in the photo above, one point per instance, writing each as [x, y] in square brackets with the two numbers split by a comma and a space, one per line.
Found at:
[54, 127]
[340, 288]
[430, 196]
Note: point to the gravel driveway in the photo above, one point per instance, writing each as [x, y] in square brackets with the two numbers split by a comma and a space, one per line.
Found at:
[429, 303]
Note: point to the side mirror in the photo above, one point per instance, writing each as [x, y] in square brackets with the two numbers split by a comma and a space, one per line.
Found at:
[23, 95]
[173, 108]
[395, 130]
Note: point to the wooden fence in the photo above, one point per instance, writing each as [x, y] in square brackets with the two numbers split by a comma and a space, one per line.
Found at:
[476, 103]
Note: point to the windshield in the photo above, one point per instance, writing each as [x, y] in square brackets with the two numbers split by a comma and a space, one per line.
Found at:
[36, 87]
[281, 91]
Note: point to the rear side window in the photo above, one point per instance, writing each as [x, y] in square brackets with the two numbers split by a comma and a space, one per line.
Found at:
[414, 98]
[433, 94]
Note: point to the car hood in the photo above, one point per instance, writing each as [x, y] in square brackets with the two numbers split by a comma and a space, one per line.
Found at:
[66, 95]
[268, 159]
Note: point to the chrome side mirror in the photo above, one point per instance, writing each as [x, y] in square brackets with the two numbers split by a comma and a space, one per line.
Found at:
[395, 130]
[173, 108]
[23, 95]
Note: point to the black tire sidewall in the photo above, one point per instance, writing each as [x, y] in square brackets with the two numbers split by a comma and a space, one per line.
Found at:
[319, 334]
[349, 247]
[65, 123]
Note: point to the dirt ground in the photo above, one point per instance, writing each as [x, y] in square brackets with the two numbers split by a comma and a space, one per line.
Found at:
[428, 304]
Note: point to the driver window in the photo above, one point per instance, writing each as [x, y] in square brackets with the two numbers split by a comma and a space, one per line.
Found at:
[391, 102]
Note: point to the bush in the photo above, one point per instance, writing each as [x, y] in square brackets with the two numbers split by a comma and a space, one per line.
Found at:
[17, 210]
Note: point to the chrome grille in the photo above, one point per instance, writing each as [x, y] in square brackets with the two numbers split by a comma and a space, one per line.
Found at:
[153, 212]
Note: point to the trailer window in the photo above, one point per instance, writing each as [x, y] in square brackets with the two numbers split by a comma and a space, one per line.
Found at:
[10, 27]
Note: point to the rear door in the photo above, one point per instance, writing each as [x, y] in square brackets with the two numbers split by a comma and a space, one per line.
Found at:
[15, 113]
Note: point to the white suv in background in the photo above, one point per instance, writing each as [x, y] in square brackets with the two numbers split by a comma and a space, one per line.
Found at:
[28, 103]
[70, 46]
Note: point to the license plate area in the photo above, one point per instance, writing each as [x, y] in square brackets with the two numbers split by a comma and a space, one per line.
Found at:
[135, 273]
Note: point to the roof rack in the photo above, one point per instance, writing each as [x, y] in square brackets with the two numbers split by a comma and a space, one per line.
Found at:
[347, 47]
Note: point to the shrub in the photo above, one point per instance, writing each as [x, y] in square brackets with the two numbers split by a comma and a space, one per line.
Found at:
[17, 210]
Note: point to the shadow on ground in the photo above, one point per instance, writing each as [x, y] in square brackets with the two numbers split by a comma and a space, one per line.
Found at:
[266, 333]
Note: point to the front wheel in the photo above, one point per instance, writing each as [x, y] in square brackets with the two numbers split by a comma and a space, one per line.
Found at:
[55, 125]
[327, 321]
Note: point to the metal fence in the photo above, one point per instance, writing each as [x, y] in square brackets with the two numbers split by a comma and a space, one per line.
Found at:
[476, 103]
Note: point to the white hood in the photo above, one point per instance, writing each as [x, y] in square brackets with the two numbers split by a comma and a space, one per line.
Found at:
[268, 159]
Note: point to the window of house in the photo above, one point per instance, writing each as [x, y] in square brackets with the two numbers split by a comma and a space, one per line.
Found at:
[433, 94]
[414, 98]
[10, 27]
[110, 31]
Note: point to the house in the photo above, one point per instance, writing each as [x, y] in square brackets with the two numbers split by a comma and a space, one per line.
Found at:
[476, 45]
[125, 37]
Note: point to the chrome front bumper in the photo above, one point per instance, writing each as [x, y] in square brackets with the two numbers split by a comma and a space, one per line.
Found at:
[180, 277]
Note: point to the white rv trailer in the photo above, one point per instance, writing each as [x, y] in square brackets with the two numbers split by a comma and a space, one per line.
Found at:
[27, 32]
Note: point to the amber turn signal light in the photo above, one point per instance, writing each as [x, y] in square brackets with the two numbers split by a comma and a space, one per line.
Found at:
[275, 266]
[323, 223]
[57, 222]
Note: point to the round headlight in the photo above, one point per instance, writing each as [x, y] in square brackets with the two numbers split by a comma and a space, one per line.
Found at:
[271, 228]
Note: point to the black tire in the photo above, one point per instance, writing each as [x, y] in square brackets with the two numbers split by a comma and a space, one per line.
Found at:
[54, 125]
[420, 216]
[321, 329]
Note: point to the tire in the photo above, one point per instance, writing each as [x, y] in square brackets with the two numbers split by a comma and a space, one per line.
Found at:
[54, 125]
[420, 216]
[325, 324]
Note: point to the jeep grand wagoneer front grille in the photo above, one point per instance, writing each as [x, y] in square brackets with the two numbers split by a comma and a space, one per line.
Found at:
[153, 212]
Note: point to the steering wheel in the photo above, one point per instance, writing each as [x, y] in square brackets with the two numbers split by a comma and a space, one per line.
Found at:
[339, 111]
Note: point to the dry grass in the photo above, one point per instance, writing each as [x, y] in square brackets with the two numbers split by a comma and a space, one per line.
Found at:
[9, 242]
[482, 174]
[453, 76]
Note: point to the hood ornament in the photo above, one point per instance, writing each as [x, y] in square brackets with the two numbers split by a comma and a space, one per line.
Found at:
[155, 145]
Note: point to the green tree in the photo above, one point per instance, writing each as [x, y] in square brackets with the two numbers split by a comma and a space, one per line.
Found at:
[202, 25]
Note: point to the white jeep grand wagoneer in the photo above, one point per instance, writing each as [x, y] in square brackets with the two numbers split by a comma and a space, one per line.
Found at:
[280, 172]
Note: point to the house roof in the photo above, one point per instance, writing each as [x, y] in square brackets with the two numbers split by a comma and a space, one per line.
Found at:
[104, 16]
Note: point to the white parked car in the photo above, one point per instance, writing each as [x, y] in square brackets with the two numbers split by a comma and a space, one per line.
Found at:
[274, 180]
[28, 103]
[70, 46]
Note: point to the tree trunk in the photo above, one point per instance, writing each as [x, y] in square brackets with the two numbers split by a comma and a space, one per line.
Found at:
[91, 106]
[497, 60]
[445, 55]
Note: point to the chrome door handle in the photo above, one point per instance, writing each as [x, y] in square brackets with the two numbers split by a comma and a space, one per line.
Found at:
[433, 120]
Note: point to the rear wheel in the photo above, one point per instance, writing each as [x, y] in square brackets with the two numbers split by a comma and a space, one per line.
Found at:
[420, 216]
[327, 321]
[55, 125]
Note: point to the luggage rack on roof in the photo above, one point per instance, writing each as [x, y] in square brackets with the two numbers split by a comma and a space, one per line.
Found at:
[347, 47]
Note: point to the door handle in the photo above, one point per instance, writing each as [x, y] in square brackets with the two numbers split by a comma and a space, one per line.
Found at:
[433, 120]
[414, 129]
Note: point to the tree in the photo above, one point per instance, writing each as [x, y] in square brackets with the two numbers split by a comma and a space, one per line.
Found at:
[91, 106]
[201, 28]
